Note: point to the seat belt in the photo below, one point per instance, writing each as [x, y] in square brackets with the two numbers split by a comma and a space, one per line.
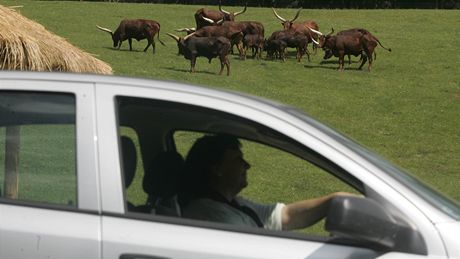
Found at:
[233, 203]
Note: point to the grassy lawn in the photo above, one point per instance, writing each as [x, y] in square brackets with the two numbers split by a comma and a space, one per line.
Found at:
[406, 109]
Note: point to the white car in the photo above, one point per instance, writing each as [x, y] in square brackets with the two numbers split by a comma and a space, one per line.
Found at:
[65, 183]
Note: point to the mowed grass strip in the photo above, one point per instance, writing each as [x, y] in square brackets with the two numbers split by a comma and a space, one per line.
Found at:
[407, 108]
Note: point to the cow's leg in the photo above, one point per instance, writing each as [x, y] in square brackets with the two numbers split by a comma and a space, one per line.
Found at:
[363, 62]
[192, 63]
[341, 60]
[130, 41]
[227, 63]
[240, 50]
[224, 62]
[307, 53]
[371, 60]
[149, 42]
[153, 46]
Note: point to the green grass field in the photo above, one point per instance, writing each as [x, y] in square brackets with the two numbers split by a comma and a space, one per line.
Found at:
[407, 109]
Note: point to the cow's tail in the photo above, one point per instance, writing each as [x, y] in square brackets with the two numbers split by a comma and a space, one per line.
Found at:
[389, 49]
[158, 36]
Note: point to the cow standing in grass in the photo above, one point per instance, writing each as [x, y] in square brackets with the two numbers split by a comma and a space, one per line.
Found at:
[355, 42]
[138, 29]
[300, 27]
[210, 47]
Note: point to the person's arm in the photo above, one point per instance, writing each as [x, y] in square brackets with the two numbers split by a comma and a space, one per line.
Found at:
[305, 213]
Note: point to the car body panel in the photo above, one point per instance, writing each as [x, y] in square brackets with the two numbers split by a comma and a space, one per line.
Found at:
[30, 232]
[100, 227]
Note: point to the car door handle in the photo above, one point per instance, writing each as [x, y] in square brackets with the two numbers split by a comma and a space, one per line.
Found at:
[141, 256]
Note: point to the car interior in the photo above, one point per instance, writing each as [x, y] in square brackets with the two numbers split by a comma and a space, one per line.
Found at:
[165, 131]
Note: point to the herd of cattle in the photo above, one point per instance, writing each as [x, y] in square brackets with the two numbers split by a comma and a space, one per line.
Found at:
[216, 33]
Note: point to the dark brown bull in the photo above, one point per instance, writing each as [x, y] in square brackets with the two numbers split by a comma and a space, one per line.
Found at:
[247, 28]
[301, 27]
[275, 48]
[230, 30]
[138, 29]
[358, 32]
[255, 42]
[210, 47]
[206, 17]
[293, 39]
[354, 42]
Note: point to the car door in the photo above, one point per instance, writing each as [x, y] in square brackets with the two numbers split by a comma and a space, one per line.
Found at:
[145, 235]
[48, 204]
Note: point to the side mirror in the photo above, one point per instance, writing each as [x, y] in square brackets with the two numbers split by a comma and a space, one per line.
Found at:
[362, 219]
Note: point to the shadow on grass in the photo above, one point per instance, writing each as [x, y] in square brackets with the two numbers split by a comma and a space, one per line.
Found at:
[127, 50]
[197, 71]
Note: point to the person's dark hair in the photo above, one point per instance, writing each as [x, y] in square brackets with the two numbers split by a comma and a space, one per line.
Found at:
[205, 152]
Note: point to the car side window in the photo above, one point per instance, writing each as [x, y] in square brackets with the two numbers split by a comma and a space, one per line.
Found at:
[38, 147]
[277, 176]
[281, 169]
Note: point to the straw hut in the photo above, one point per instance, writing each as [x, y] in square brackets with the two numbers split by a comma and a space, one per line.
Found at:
[27, 45]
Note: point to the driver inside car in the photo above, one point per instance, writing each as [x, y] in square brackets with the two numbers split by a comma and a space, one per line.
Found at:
[216, 172]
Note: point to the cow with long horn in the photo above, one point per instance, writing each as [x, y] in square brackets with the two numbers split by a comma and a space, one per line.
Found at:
[210, 47]
[299, 27]
[138, 29]
[356, 41]
[206, 17]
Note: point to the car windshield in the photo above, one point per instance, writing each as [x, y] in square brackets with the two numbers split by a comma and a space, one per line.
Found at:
[448, 206]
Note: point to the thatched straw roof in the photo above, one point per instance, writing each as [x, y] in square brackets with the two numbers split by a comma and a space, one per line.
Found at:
[27, 45]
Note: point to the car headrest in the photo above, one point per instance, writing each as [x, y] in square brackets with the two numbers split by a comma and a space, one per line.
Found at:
[162, 179]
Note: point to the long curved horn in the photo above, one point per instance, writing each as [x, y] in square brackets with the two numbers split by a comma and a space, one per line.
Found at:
[277, 15]
[104, 29]
[314, 41]
[208, 20]
[222, 10]
[315, 31]
[185, 29]
[330, 33]
[190, 35]
[173, 36]
[296, 15]
[220, 21]
[240, 12]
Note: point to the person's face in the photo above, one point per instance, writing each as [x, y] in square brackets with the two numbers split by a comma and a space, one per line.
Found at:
[232, 171]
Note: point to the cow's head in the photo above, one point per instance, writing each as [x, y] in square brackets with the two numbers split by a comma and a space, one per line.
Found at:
[287, 24]
[228, 16]
[323, 40]
[115, 36]
[328, 54]
[181, 43]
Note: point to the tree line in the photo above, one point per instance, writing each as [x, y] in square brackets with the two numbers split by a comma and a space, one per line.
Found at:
[319, 4]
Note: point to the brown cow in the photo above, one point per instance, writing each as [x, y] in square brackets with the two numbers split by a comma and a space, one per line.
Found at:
[255, 42]
[210, 47]
[357, 31]
[293, 39]
[206, 17]
[301, 27]
[355, 43]
[138, 29]
[229, 30]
